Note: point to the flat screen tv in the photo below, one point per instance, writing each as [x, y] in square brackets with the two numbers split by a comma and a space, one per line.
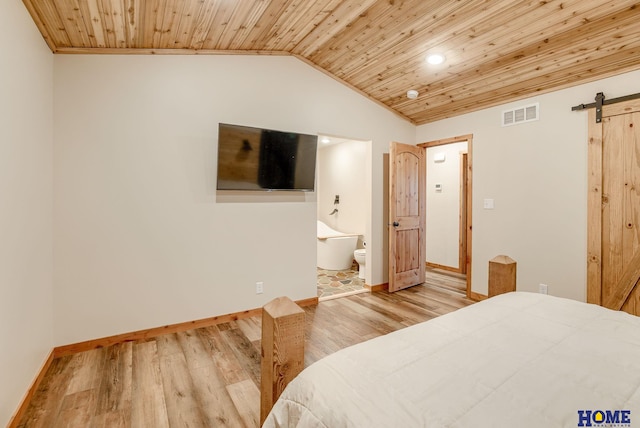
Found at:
[263, 159]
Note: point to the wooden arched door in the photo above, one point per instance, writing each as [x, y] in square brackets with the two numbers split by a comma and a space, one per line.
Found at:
[407, 181]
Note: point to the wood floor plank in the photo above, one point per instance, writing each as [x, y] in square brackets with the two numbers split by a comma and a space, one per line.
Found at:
[355, 306]
[220, 351]
[115, 419]
[89, 364]
[251, 327]
[77, 409]
[351, 323]
[246, 398]
[372, 323]
[227, 326]
[194, 350]
[447, 280]
[214, 401]
[244, 350]
[323, 330]
[168, 344]
[211, 376]
[45, 406]
[407, 311]
[148, 408]
[114, 395]
[183, 408]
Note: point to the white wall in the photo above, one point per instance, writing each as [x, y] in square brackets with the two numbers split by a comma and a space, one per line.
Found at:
[342, 171]
[141, 238]
[26, 85]
[442, 234]
[537, 174]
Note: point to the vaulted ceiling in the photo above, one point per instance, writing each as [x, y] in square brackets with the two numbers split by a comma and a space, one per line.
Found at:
[495, 50]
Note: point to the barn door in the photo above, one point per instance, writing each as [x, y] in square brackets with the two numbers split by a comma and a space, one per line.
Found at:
[614, 208]
[407, 180]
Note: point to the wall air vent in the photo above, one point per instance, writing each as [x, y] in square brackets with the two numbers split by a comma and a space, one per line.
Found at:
[521, 115]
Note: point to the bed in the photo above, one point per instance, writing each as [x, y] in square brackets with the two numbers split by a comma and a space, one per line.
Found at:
[515, 360]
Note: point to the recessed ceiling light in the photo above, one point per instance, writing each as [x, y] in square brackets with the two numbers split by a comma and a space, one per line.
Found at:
[435, 59]
[412, 94]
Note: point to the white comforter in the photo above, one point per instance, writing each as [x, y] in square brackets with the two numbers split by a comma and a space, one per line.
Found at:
[516, 360]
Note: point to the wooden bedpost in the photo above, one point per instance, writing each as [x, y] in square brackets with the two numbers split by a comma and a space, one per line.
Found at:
[502, 275]
[282, 350]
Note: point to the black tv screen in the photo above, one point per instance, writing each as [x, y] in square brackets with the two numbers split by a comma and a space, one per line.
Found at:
[263, 159]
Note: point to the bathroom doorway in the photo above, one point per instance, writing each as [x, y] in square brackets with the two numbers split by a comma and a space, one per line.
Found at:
[343, 192]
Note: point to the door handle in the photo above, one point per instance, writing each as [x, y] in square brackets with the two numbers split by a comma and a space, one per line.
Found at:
[396, 224]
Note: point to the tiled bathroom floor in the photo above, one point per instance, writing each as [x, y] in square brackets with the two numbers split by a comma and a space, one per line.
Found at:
[334, 283]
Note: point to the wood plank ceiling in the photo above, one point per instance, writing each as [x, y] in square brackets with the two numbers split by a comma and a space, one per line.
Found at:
[496, 50]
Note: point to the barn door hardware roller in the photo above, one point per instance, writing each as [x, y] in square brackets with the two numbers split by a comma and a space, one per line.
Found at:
[600, 101]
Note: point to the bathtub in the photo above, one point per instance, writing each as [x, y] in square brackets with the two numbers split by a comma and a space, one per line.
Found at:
[335, 249]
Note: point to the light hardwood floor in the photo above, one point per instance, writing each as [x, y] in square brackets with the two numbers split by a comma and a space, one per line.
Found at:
[210, 377]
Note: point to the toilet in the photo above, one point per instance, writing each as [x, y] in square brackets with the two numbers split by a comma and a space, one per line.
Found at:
[360, 256]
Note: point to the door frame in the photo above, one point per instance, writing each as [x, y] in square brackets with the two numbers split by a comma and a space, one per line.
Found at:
[464, 206]
[469, 199]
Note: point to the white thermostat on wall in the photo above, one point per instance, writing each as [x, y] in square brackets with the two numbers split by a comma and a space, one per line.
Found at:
[438, 187]
[439, 157]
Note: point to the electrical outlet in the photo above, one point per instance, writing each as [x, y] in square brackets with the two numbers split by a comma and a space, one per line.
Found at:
[259, 287]
[543, 289]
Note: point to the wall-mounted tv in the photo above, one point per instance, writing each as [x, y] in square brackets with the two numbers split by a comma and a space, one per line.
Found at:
[263, 159]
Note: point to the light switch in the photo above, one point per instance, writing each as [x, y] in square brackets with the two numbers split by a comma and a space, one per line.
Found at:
[488, 204]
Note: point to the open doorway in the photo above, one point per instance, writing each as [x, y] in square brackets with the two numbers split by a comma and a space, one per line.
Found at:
[342, 191]
[448, 212]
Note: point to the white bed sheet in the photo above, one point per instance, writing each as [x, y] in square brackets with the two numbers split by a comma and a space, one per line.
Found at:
[515, 360]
